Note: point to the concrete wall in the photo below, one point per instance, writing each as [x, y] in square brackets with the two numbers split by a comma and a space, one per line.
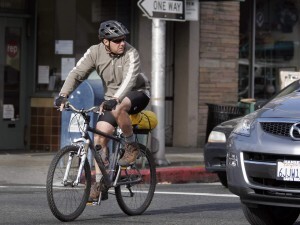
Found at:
[186, 84]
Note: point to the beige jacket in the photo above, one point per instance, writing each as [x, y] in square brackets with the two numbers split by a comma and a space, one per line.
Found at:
[119, 74]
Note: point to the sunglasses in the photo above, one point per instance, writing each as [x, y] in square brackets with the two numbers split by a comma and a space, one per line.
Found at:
[118, 41]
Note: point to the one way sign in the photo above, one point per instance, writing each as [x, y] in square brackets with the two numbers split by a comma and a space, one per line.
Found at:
[163, 9]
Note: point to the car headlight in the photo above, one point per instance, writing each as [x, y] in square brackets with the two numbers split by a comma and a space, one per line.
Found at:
[244, 126]
[216, 136]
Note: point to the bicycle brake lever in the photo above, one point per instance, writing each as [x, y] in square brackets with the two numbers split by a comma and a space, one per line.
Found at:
[67, 106]
[96, 110]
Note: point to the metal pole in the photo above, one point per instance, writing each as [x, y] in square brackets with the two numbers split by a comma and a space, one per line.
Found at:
[158, 86]
[252, 50]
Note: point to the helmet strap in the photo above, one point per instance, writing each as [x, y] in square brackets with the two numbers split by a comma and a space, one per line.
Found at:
[107, 48]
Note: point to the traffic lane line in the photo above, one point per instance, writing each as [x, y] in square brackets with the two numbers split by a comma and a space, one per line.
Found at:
[156, 192]
[197, 194]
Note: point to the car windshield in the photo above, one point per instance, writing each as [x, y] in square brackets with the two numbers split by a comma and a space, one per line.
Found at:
[287, 90]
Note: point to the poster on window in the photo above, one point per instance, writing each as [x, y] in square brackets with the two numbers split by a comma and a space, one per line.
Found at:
[67, 64]
[8, 111]
[64, 47]
[288, 77]
[43, 74]
[12, 52]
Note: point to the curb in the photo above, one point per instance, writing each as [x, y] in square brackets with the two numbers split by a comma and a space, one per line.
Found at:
[178, 175]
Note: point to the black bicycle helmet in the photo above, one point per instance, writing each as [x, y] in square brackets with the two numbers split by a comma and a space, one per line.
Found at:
[112, 29]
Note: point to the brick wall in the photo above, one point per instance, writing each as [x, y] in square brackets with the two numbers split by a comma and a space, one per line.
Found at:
[219, 44]
[45, 129]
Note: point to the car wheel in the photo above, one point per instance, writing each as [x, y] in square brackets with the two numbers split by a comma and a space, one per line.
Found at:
[223, 178]
[270, 215]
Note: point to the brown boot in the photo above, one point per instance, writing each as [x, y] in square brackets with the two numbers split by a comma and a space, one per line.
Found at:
[130, 155]
[95, 193]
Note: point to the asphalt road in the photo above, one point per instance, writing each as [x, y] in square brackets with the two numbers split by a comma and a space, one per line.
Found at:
[203, 203]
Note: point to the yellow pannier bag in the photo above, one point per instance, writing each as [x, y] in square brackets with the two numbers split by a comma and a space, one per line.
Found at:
[144, 120]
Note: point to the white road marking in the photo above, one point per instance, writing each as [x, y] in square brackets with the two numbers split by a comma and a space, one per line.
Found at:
[156, 192]
[23, 186]
[197, 194]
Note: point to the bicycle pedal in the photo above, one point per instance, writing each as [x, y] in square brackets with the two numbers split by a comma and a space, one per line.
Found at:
[92, 203]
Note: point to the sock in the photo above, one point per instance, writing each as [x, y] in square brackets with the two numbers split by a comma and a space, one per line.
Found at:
[130, 139]
[98, 177]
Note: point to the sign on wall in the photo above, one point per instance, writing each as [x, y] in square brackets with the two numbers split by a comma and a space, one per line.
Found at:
[192, 10]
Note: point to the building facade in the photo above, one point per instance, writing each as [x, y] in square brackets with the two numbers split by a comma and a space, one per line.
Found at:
[207, 61]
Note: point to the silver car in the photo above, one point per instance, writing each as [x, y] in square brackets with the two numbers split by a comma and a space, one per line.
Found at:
[263, 162]
[215, 150]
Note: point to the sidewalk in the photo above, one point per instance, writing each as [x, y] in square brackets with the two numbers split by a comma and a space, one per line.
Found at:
[30, 168]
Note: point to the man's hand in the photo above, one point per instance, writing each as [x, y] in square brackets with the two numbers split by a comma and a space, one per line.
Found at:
[60, 101]
[110, 104]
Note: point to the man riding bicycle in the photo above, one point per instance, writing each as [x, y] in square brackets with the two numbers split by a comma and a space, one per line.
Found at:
[126, 90]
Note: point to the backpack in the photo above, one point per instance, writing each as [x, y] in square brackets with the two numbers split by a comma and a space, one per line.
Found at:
[144, 120]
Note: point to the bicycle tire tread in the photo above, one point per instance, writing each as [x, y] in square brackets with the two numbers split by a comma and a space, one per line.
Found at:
[55, 211]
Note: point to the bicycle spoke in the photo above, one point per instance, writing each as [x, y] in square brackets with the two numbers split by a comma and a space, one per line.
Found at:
[136, 194]
[66, 199]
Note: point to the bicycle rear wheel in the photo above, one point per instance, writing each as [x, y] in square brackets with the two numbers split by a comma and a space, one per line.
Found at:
[66, 200]
[135, 198]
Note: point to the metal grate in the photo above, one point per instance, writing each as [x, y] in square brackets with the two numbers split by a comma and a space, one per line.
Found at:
[221, 113]
[277, 128]
[261, 171]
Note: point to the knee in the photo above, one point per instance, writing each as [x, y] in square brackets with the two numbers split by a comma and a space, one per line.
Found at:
[121, 109]
[96, 139]
[125, 105]
[99, 140]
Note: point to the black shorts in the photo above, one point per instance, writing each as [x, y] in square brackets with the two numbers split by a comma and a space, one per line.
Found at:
[139, 101]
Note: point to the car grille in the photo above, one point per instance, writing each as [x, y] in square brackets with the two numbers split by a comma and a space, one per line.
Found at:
[277, 193]
[261, 171]
[268, 157]
[277, 128]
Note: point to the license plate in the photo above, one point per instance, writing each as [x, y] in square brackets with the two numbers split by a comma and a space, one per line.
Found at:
[288, 170]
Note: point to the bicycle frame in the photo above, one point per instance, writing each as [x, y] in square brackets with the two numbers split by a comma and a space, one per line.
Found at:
[89, 144]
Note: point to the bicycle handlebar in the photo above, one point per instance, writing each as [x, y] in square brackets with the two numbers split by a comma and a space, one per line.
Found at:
[68, 105]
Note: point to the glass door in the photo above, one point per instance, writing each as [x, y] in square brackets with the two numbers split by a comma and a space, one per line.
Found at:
[12, 83]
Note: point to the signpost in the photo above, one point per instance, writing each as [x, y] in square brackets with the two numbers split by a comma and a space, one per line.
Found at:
[163, 9]
[160, 11]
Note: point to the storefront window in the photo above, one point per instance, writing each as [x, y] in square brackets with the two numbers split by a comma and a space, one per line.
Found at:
[11, 92]
[14, 6]
[276, 45]
[65, 35]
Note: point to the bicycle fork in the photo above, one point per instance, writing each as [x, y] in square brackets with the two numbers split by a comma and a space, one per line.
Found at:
[82, 154]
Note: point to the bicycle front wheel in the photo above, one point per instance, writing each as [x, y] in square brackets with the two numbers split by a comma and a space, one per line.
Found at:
[66, 199]
[135, 196]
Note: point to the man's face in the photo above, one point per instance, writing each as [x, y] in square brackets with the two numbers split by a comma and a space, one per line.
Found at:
[117, 45]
